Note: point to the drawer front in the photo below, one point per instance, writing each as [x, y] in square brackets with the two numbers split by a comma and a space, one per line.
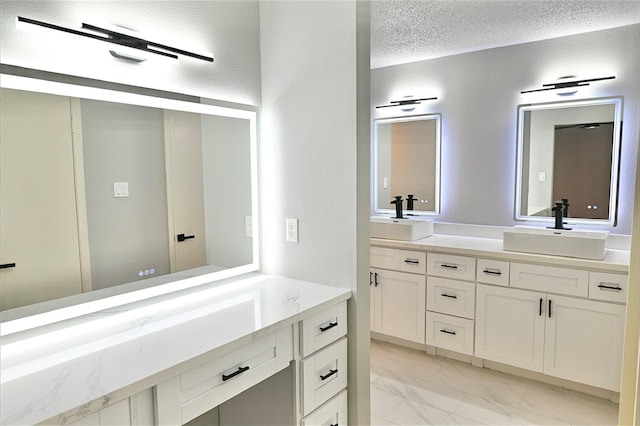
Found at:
[398, 260]
[493, 272]
[333, 412]
[608, 287]
[451, 297]
[202, 388]
[452, 333]
[323, 375]
[450, 266]
[323, 328]
[572, 282]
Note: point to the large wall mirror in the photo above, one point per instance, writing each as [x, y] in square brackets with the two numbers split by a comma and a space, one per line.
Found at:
[569, 150]
[406, 161]
[101, 189]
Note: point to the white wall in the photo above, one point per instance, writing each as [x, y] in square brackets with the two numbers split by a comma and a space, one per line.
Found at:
[311, 145]
[478, 94]
[228, 29]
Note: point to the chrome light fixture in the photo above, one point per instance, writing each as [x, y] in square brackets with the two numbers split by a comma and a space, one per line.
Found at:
[120, 38]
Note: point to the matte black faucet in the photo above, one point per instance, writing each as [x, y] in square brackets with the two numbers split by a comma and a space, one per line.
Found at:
[398, 202]
[410, 201]
[565, 207]
[558, 211]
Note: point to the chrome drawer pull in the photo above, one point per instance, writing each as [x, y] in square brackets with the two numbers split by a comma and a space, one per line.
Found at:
[412, 261]
[609, 287]
[492, 272]
[331, 325]
[452, 296]
[445, 265]
[442, 330]
[329, 374]
[240, 370]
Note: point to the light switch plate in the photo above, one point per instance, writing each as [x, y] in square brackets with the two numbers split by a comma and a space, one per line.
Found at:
[120, 189]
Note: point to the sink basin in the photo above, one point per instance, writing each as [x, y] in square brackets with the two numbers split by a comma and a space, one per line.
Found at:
[558, 242]
[400, 229]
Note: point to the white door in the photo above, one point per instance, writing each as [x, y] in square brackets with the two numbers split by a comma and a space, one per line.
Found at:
[510, 326]
[183, 147]
[38, 219]
[400, 301]
[583, 341]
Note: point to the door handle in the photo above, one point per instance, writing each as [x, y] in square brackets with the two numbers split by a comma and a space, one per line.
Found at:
[182, 237]
[8, 265]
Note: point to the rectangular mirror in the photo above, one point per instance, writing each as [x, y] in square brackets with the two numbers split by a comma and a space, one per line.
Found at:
[569, 150]
[406, 161]
[101, 188]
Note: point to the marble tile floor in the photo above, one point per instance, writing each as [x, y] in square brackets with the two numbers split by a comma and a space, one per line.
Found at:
[409, 387]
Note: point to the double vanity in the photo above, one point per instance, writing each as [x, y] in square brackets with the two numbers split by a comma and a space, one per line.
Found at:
[549, 317]
[174, 358]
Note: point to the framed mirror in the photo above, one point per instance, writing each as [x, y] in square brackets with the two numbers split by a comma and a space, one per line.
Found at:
[107, 191]
[571, 151]
[406, 162]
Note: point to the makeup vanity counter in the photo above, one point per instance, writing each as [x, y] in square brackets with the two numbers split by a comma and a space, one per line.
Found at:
[551, 318]
[72, 368]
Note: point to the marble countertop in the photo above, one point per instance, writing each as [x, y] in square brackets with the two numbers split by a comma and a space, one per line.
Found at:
[54, 368]
[614, 261]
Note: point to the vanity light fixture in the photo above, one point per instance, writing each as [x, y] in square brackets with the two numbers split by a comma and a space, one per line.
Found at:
[567, 85]
[120, 38]
[406, 102]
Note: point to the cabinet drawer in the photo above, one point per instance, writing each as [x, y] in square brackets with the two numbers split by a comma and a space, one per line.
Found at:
[323, 375]
[333, 412]
[450, 266]
[452, 333]
[451, 297]
[185, 397]
[399, 260]
[608, 287]
[572, 282]
[323, 328]
[493, 272]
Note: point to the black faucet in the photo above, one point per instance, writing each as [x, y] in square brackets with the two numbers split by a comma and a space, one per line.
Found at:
[558, 211]
[410, 201]
[565, 207]
[398, 202]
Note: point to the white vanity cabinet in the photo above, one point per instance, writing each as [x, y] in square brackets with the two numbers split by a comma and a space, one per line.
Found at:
[398, 297]
[568, 337]
[137, 410]
[450, 302]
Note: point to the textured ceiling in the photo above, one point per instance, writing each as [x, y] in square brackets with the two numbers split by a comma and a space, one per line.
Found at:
[412, 30]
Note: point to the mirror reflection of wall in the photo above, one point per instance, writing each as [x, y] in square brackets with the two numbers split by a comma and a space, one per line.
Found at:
[569, 150]
[94, 194]
[408, 162]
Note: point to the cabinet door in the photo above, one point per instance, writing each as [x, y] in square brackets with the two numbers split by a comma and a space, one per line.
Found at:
[510, 326]
[399, 304]
[583, 341]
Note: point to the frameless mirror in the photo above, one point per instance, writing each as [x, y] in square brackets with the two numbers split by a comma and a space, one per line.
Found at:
[406, 163]
[569, 150]
[101, 188]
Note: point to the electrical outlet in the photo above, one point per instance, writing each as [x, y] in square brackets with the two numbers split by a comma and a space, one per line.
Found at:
[248, 226]
[292, 230]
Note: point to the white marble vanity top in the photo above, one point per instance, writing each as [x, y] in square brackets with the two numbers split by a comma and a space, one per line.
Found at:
[614, 261]
[54, 368]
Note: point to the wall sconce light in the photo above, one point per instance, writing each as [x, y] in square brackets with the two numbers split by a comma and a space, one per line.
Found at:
[119, 37]
[567, 87]
[406, 103]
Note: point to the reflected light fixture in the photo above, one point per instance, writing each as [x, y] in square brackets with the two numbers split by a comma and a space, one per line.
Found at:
[406, 103]
[567, 87]
[120, 38]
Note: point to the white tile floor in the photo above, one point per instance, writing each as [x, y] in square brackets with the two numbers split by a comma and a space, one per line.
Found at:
[409, 387]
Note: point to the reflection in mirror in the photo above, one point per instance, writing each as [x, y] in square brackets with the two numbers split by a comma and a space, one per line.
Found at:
[570, 151]
[407, 162]
[96, 193]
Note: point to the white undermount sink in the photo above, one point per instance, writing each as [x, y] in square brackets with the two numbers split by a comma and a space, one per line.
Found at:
[400, 229]
[558, 242]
